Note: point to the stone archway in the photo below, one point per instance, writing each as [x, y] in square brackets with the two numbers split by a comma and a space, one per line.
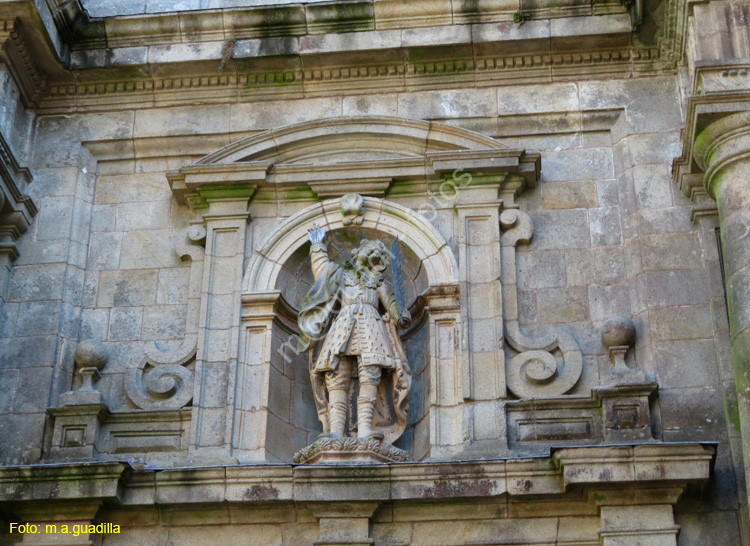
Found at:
[379, 215]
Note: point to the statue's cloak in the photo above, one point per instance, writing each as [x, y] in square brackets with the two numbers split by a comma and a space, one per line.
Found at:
[392, 405]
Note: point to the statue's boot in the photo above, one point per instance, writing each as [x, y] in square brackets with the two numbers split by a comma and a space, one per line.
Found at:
[337, 412]
[365, 411]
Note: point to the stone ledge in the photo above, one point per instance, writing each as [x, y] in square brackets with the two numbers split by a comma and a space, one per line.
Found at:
[641, 467]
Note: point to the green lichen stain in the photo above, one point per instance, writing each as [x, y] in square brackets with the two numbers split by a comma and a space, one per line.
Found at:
[733, 413]
[596, 497]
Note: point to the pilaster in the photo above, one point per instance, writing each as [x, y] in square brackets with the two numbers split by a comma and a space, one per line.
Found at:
[224, 214]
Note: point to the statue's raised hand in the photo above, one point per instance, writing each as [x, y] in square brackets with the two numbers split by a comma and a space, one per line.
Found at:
[316, 234]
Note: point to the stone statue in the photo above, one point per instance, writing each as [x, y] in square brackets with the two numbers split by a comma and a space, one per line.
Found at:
[360, 365]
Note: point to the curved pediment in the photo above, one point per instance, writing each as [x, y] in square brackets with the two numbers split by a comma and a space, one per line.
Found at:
[336, 156]
[346, 139]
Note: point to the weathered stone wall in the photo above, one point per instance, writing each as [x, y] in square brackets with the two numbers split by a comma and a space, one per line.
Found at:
[112, 256]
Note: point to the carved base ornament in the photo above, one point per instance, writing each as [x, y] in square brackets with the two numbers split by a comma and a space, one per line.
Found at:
[350, 450]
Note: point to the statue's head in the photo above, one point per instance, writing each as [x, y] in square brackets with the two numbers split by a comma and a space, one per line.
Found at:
[372, 255]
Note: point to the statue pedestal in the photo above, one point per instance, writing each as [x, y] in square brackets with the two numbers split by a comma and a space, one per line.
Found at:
[328, 450]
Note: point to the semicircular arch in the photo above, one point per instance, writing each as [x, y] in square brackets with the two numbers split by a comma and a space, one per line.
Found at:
[413, 230]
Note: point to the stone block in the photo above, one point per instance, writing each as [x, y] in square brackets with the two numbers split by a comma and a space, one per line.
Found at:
[125, 323]
[671, 288]
[226, 534]
[652, 104]
[563, 305]
[578, 164]
[700, 409]
[103, 218]
[268, 115]
[142, 216]
[439, 533]
[370, 105]
[708, 527]
[104, 251]
[540, 269]
[54, 218]
[144, 249]
[73, 129]
[164, 322]
[569, 195]
[130, 188]
[448, 104]
[31, 383]
[561, 229]
[127, 288]
[42, 252]
[533, 99]
[603, 265]
[173, 286]
[38, 318]
[94, 324]
[350, 41]
[686, 363]
[182, 120]
[26, 431]
[609, 301]
[653, 187]
[214, 380]
[396, 14]
[8, 384]
[686, 322]
[671, 251]
[605, 225]
[280, 395]
[36, 282]
[20, 352]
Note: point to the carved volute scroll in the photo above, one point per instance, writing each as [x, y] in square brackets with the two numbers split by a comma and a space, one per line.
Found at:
[165, 379]
[546, 365]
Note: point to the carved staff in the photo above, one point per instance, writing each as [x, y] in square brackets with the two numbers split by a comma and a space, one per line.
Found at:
[397, 258]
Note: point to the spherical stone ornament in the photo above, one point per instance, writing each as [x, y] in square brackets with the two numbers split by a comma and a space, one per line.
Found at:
[91, 354]
[618, 331]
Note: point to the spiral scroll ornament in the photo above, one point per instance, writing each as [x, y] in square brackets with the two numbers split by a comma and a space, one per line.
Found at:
[159, 386]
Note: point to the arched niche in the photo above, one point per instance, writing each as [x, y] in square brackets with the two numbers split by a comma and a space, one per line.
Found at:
[278, 274]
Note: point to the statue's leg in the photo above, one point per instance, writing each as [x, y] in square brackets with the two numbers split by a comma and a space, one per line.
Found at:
[369, 377]
[337, 383]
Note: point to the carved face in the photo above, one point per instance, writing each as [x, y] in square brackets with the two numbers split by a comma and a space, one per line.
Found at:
[371, 255]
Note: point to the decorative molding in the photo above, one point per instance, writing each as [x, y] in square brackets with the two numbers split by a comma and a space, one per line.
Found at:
[336, 79]
[660, 468]
[350, 450]
[17, 210]
[16, 55]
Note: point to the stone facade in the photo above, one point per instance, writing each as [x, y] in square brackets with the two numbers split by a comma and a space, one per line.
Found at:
[568, 181]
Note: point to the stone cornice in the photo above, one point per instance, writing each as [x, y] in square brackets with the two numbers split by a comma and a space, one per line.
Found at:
[656, 467]
[309, 50]
[688, 170]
